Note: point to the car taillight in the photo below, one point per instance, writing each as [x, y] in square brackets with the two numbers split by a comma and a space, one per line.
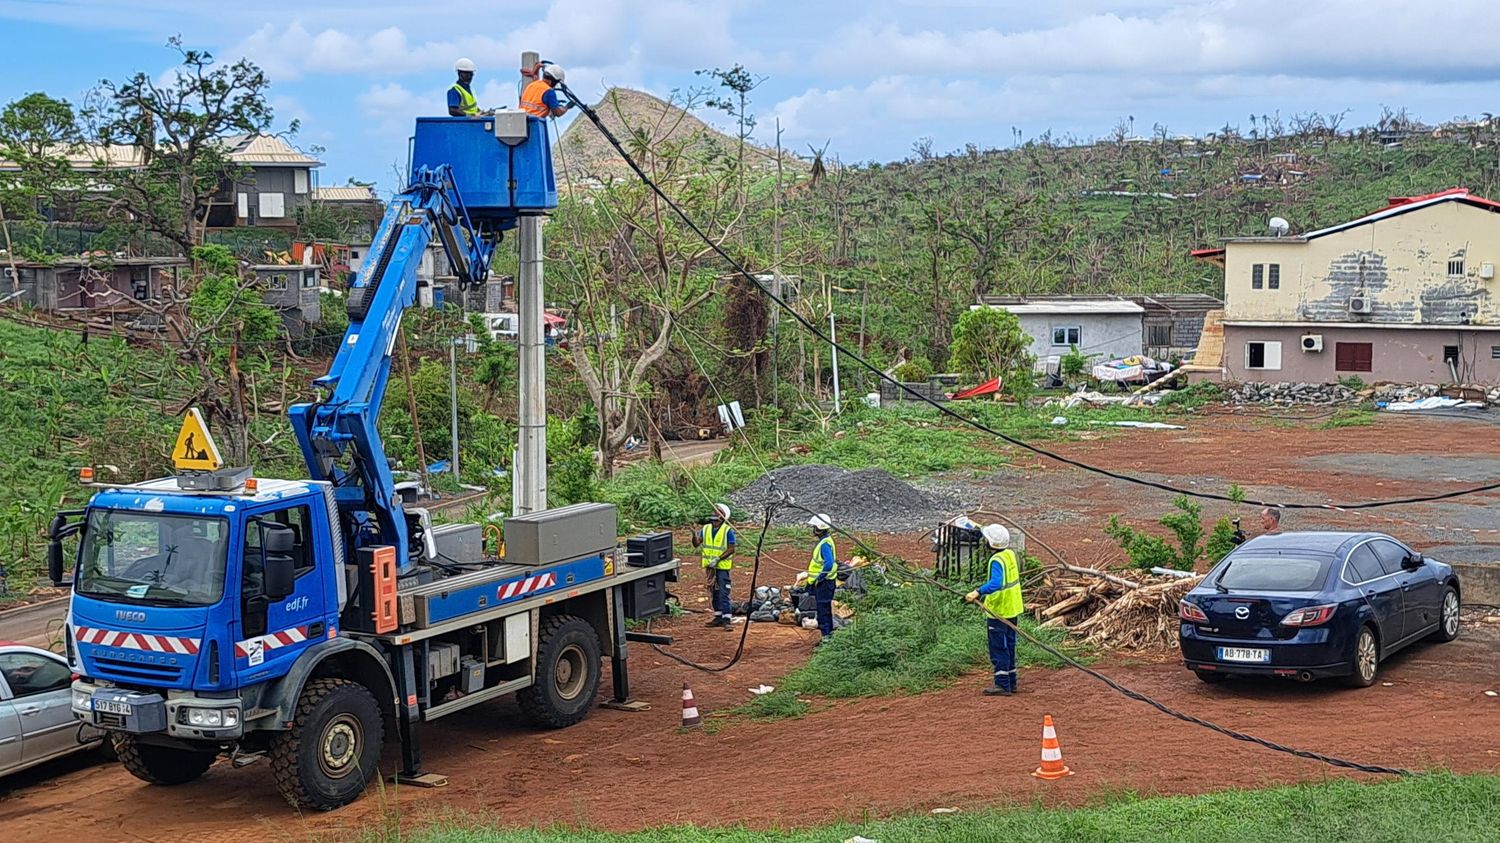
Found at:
[1190, 612]
[1311, 616]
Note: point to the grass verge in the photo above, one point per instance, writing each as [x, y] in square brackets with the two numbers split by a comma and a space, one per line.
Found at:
[1438, 806]
[906, 639]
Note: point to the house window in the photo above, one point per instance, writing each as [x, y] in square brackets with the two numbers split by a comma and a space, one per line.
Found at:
[1257, 276]
[1450, 354]
[278, 282]
[1495, 352]
[1273, 276]
[1159, 336]
[1067, 335]
[1263, 355]
[309, 279]
[1353, 356]
[1456, 267]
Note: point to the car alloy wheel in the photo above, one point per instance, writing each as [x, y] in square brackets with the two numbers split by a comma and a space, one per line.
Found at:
[1365, 657]
[1450, 613]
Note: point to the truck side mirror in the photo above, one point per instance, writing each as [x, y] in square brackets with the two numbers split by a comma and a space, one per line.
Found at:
[277, 542]
[60, 529]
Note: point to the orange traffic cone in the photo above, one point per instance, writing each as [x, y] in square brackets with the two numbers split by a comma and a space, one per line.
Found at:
[1052, 767]
[690, 716]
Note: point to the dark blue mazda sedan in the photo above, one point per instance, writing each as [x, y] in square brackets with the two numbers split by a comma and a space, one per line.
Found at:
[1314, 605]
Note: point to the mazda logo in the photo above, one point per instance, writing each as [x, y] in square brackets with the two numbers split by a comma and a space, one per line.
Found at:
[1242, 612]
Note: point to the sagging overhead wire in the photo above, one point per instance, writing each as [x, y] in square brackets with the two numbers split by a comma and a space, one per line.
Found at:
[907, 573]
[818, 332]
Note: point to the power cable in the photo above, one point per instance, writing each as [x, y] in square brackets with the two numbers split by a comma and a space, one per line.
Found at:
[946, 411]
[916, 576]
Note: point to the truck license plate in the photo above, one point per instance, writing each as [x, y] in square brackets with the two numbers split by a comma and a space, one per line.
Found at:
[112, 707]
[1244, 654]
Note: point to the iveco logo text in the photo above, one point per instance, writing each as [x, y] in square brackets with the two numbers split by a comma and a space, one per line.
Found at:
[127, 615]
[1242, 612]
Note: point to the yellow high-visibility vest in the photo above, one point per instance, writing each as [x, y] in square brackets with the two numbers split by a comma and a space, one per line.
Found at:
[466, 101]
[1005, 603]
[714, 546]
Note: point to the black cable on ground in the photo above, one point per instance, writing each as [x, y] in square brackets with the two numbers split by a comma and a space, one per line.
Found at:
[816, 331]
[739, 651]
[914, 575]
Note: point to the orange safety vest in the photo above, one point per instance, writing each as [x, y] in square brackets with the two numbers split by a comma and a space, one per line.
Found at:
[531, 99]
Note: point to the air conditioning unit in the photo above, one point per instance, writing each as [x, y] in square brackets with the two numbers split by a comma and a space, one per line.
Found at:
[1487, 271]
[1312, 342]
[1360, 303]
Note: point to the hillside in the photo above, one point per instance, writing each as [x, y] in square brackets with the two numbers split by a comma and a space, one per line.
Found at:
[630, 113]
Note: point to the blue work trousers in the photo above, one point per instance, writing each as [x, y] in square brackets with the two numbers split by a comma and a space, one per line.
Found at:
[1002, 653]
[823, 594]
[722, 607]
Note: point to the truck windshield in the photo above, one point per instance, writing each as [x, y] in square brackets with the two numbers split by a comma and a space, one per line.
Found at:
[153, 558]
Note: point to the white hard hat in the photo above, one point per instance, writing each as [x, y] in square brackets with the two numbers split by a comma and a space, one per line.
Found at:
[463, 65]
[723, 510]
[555, 73]
[820, 522]
[997, 536]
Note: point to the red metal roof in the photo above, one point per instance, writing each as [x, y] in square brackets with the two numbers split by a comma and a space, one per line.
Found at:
[1206, 253]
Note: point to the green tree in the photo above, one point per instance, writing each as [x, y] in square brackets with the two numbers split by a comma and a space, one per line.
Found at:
[178, 127]
[36, 134]
[989, 342]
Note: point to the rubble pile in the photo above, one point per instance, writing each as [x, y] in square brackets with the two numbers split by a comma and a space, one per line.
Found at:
[869, 499]
[797, 606]
[1117, 609]
[1314, 394]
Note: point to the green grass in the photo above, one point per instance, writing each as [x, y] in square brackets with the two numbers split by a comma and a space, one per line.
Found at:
[905, 639]
[1439, 806]
[1349, 418]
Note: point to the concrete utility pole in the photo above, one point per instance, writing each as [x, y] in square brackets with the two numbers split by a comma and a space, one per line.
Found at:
[531, 452]
[453, 406]
[833, 339]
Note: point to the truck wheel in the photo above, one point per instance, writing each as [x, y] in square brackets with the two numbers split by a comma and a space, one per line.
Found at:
[567, 673]
[162, 765]
[332, 751]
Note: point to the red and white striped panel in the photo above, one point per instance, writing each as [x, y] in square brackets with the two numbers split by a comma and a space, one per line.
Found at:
[530, 585]
[137, 641]
[272, 641]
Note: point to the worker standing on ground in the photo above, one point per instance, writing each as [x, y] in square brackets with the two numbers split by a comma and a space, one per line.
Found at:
[822, 573]
[717, 540]
[540, 98]
[1002, 599]
[461, 101]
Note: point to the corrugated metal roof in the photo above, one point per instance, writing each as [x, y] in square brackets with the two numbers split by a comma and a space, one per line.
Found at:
[267, 150]
[93, 157]
[1070, 307]
[1398, 205]
[345, 194]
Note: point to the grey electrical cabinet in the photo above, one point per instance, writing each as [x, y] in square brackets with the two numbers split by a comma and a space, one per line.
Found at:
[557, 535]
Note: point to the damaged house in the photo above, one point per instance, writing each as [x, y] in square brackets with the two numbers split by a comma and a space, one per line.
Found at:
[1402, 295]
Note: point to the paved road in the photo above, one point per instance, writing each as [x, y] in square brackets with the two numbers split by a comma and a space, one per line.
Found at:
[29, 624]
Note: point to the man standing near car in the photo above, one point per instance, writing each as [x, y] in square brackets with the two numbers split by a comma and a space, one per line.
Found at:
[1270, 525]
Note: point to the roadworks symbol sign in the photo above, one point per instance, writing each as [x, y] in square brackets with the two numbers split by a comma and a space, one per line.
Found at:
[195, 449]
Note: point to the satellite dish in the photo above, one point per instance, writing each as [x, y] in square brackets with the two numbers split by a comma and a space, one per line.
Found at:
[1280, 226]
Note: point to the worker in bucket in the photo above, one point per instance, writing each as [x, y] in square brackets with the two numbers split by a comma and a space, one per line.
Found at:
[821, 577]
[540, 98]
[717, 540]
[461, 101]
[1001, 597]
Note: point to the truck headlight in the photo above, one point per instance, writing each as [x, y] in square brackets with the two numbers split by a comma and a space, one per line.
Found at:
[212, 718]
[82, 700]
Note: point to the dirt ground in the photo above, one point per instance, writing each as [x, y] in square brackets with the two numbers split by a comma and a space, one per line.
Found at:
[947, 748]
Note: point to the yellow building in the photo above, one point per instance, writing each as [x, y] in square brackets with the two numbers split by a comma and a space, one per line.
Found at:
[1402, 295]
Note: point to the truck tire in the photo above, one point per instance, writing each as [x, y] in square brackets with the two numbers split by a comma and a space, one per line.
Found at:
[162, 765]
[333, 749]
[567, 673]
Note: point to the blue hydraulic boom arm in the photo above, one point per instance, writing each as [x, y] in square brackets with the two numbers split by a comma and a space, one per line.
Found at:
[337, 434]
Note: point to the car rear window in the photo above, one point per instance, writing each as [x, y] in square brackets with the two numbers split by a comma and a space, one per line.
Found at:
[1274, 573]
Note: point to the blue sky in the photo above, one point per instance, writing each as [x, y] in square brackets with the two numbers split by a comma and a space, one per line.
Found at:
[868, 77]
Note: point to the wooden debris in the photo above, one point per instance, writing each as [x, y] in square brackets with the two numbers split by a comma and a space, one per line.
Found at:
[1124, 609]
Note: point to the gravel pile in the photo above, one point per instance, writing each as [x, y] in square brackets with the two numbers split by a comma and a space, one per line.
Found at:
[869, 499]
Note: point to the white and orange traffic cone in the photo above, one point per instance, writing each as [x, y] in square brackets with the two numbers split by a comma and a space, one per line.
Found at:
[690, 716]
[1052, 767]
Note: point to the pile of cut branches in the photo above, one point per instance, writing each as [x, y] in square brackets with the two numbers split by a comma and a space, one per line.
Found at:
[1125, 609]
